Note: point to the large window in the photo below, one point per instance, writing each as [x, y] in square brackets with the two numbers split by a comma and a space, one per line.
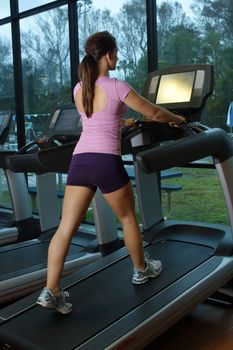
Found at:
[126, 20]
[200, 31]
[26, 5]
[46, 67]
[6, 70]
[7, 97]
[5, 8]
[7, 104]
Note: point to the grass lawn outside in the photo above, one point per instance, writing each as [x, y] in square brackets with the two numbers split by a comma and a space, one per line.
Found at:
[201, 197]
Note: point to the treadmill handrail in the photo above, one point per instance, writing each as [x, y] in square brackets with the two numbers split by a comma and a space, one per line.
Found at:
[54, 159]
[213, 142]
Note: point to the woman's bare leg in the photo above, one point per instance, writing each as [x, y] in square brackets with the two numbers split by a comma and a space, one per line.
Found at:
[75, 205]
[122, 203]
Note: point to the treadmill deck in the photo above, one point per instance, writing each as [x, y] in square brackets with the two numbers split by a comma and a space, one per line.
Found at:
[105, 297]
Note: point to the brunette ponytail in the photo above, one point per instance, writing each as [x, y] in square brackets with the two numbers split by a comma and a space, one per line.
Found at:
[88, 74]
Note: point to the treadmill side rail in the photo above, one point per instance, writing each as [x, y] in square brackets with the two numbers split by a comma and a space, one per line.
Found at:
[212, 142]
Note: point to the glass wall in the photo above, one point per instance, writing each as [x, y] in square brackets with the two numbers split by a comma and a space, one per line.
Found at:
[27, 5]
[6, 70]
[7, 96]
[46, 67]
[5, 8]
[7, 99]
[126, 20]
[199, 31]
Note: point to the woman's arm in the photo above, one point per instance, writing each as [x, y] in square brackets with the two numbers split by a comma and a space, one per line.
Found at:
[150, 110]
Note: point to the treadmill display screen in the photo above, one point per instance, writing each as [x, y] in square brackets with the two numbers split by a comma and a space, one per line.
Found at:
[175, 88]
[67, 120]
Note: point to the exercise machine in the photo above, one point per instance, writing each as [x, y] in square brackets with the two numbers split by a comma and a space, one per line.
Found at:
[109, 311]
[16, 224]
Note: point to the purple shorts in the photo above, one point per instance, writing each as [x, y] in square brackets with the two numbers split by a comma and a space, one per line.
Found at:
[93, 170]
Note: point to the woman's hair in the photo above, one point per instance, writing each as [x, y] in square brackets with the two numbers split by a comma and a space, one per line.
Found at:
[97, 45]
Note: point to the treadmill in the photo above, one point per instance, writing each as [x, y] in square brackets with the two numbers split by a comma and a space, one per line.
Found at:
[23, 265]
[109, 311]
[17, 223]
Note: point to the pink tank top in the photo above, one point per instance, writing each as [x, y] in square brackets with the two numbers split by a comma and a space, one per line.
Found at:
[102, 131]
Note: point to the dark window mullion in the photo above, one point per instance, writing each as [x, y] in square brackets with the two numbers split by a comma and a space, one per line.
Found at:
[151, 14]
[18, 76]
[74, 43]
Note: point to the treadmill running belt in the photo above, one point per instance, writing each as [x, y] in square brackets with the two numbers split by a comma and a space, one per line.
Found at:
[101, 299]
[34, 256]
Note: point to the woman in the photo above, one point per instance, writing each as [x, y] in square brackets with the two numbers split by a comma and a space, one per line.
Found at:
[96, 162]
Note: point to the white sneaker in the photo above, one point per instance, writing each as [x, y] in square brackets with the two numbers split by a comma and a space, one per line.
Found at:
[51, 301]
[153, 269]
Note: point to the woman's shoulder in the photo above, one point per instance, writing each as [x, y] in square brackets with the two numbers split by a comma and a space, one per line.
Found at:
[110, 80]
[116, 87]
[115, 83]
[122, 83]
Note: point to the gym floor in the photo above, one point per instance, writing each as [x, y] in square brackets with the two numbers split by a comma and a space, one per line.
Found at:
[208, 327]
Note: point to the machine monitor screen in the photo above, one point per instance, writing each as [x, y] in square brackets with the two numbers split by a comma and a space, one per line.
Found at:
[182, 89]
[65, 121]
[175, 88]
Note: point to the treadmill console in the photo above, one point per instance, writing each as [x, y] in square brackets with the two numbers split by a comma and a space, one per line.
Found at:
[65, 121]
[182, 89]
[65, 126]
